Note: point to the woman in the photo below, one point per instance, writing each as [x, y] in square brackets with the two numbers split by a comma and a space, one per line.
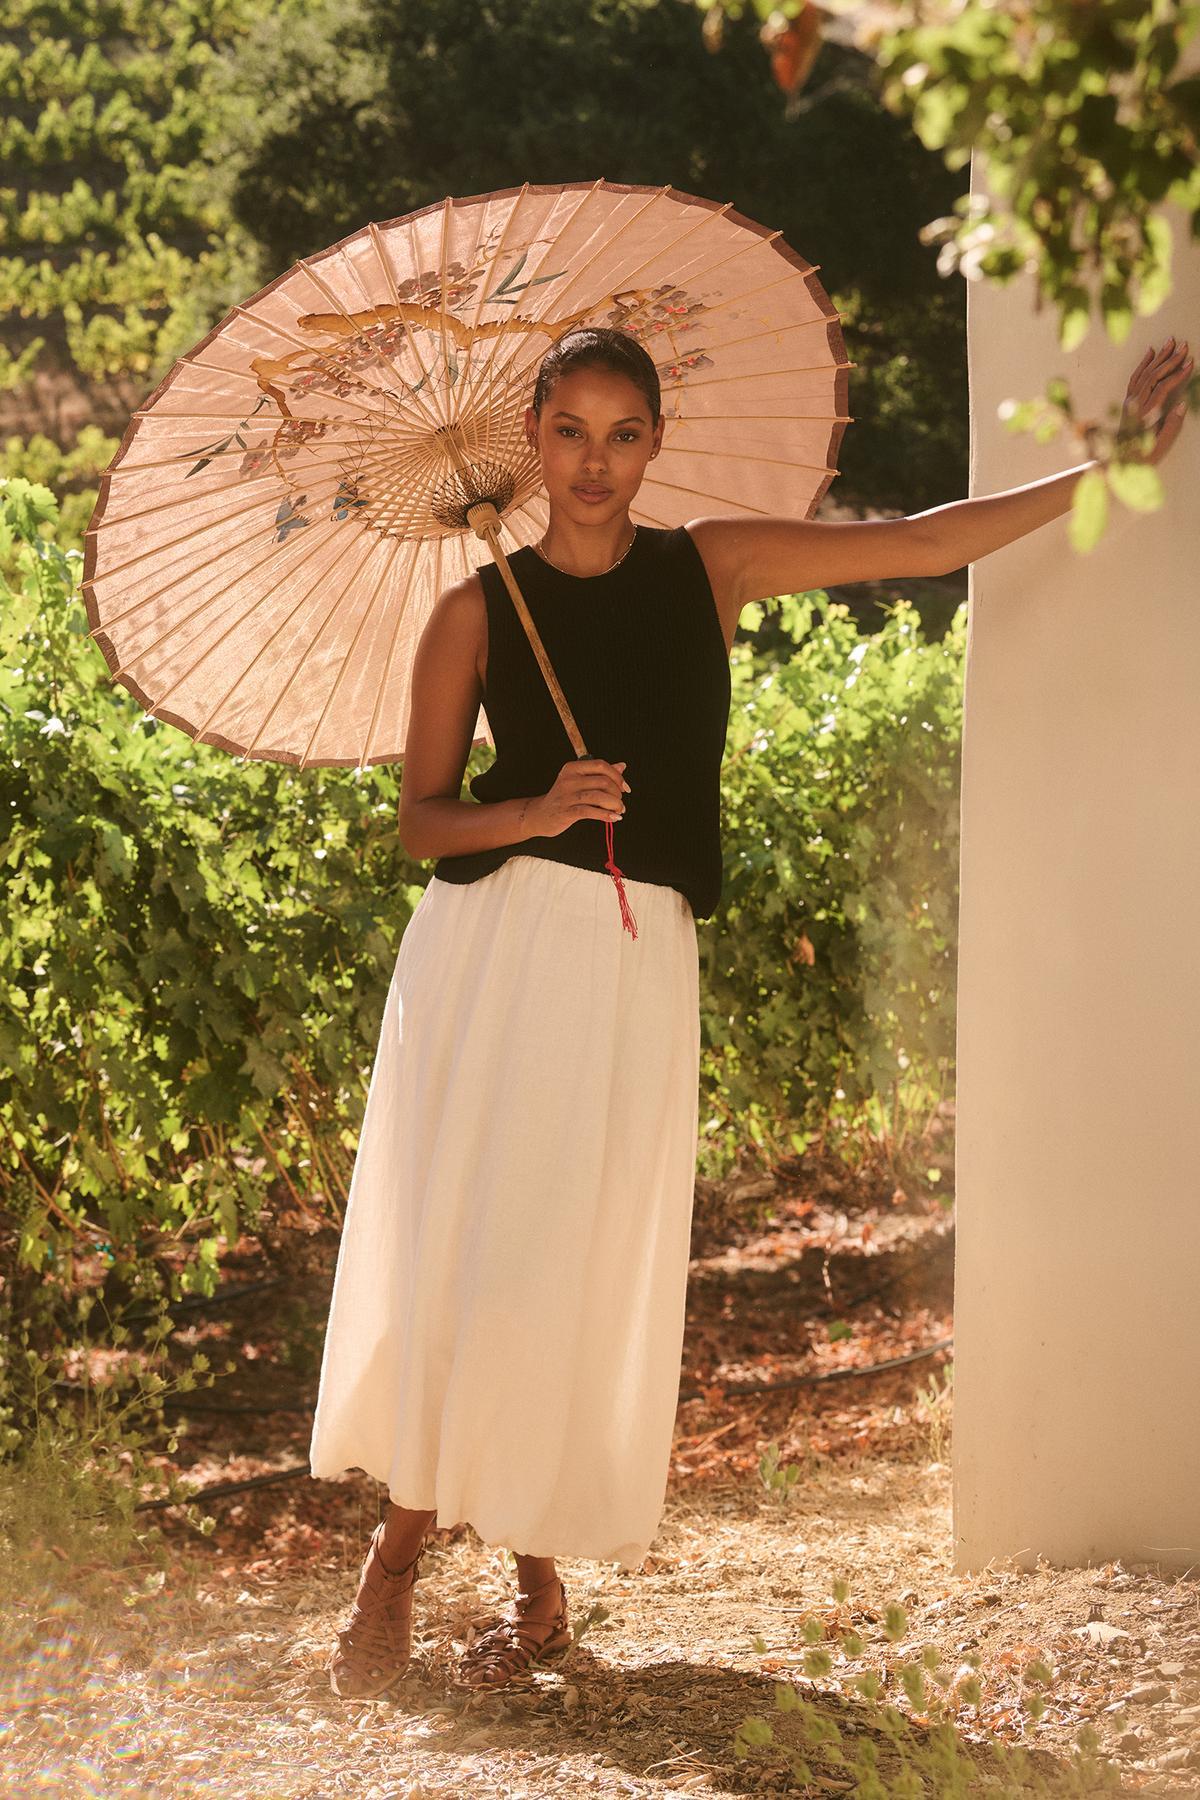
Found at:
[507, 1316]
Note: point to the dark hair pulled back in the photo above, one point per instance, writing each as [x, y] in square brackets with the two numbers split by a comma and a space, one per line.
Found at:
[598, 347]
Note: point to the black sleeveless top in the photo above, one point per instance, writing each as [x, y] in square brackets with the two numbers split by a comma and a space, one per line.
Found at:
[641, 657]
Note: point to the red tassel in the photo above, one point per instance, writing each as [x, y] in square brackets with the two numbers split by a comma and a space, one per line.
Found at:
[628, 921]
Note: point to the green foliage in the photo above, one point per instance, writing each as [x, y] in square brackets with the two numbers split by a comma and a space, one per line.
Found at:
[76, 1449]
[1083, 120]
[180, 1014]
[1086, 130]
[341, 111]
[1089, 510]
[829, 974]
[908, 397]
[1118, 448]
[199, 949]
[71, 474]
[115, 253]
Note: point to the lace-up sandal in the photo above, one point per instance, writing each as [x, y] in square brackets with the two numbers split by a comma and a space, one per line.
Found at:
[374, 1647]
[515, 1644]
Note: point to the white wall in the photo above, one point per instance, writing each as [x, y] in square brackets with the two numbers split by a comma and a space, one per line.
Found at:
[1077, 1311]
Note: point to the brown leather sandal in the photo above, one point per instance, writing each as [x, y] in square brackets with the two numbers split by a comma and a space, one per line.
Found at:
[374, 1647]
[511, 1646]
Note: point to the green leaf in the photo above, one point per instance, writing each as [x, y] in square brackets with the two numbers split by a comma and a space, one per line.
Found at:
[1118, 314]
[1089, 510]
[1136, 485]
[1073, 326]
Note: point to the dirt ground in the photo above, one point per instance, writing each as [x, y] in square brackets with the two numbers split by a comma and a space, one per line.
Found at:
[220, 1690]
[795, 1516]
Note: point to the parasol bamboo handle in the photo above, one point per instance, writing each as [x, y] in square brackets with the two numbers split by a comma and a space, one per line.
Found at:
[484, 521]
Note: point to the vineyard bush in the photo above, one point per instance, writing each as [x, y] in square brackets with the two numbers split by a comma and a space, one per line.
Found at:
[829, 977]
[197, 950]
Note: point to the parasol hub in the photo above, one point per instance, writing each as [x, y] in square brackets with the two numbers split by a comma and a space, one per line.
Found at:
[483, 518]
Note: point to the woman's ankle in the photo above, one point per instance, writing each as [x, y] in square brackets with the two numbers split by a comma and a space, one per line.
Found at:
[539, 1579]
[403, 1535]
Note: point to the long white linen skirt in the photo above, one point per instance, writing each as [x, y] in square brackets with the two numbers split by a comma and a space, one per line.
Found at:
[506, 1324]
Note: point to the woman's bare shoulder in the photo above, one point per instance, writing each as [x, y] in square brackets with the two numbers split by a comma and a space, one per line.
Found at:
[458, 621]
[460, 609]
[464, 598]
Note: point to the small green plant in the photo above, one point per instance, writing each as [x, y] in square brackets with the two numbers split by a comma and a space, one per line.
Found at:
[77, 1450]
[888, 1755]
[933, 1408]
[778, 1478]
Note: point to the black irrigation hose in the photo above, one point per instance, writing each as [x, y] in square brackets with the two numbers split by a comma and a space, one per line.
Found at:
[185, 1401]
[181, 1400]
[749, 1389]
[730, 1393]
[228, 1487]
[196, 1302]
[206, 1406]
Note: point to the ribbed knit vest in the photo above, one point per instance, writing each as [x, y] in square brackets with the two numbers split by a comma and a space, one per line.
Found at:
[641, 657]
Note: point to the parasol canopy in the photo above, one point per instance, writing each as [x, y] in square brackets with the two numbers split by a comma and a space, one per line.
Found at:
[285, 508]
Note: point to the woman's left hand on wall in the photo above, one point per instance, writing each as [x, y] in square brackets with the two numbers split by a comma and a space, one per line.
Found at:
[1156, 400]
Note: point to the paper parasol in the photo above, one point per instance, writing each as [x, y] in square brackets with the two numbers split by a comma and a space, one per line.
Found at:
[288, 504]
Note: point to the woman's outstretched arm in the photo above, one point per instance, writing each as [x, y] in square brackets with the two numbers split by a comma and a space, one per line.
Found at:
[754, 559]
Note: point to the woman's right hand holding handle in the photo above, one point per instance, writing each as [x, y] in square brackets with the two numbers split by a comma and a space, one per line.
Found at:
[587, 787]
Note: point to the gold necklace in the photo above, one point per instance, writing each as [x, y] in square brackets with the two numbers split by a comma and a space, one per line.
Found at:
[608, 571]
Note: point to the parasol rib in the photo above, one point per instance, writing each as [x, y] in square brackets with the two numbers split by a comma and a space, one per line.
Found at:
[321, 577]
[607, 242]
[346, 661]
[387, 666]
[313, 350]
[661, 252]
[240, 619]
[410, 339]
[444, 417]
[676, 487]
[519, 369]
[749, 456]
[484, 284]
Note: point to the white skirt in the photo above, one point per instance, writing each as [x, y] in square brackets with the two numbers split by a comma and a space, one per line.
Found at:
[506, 1325]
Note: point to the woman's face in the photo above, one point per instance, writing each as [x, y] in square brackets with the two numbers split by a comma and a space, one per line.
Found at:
[595, 437]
